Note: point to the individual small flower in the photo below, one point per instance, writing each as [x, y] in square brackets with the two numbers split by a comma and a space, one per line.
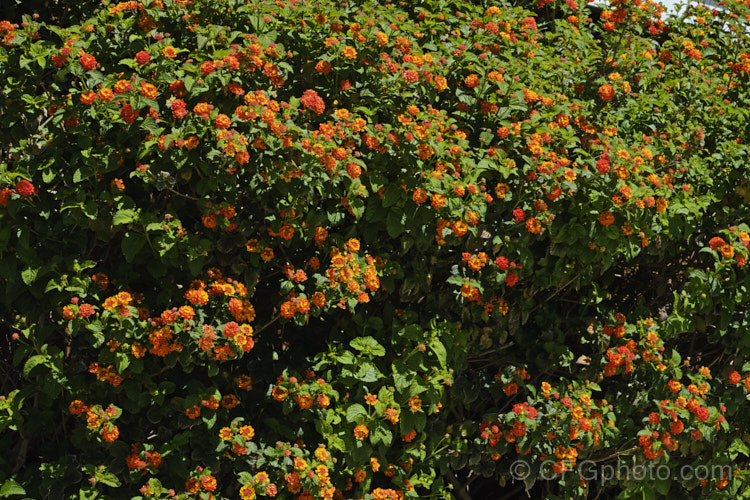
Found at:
[118, 184]
[247, 492]
[460, 228]
[197, 297]
[209, 221]
[352, 245]
[391, 414]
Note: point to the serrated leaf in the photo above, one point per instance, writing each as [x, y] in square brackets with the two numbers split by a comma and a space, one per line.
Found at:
[29, 274]
[382, 435]
[345, 358]
[366, 372]
[394, 223]
[439, 349]
[124, 217]
[11, 487]
[132, 244]
[368, 345]
[32, 363]
[355, 413]
[392, 195]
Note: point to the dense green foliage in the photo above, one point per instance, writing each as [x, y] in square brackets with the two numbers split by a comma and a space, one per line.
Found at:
[361, 250]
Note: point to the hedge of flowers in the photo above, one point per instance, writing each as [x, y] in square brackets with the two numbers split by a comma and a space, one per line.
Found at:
[363, 250]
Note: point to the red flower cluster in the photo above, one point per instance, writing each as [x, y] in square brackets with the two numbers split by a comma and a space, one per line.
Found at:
[311, 100]
[25, 188]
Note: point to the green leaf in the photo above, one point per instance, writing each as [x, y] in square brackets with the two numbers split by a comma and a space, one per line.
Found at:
[392, 195]
[410, 420]
[355, 413]
[368, 345]
[400, 378]
[33, 362]
[439, 349]
[395, 223]
[662, 485]
[357, 206]
[11, 487]
[124, 217]
[108, 478]
[345, 358]
[366, 372]
[382, 435]
[132, 244]
[122, 361]
[29, 274]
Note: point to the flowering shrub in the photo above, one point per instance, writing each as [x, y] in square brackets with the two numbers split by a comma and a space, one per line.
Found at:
[363, 251]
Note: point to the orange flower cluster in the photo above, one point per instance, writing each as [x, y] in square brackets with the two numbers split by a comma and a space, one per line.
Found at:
[106, 374]
[350, 274]
[199, 480]
[121, 7]
[98, 419]
[305, 393]
[140, 459]
[475, 262]
[384, 494]
[224, 213]
[121, 301]
[620, 356]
